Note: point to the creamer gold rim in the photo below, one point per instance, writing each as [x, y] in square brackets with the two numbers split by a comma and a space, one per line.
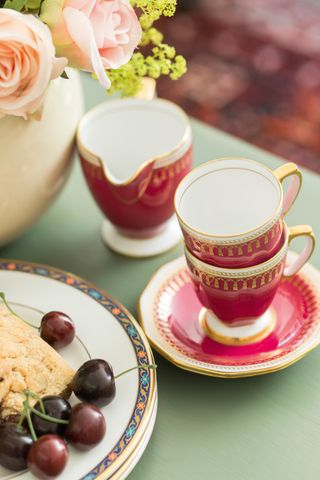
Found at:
[236, 237]
[186, 138]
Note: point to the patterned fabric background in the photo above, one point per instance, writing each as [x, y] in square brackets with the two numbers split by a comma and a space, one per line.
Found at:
[254, 71]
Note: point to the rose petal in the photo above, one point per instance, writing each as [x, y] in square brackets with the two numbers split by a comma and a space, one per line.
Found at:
[81, 32]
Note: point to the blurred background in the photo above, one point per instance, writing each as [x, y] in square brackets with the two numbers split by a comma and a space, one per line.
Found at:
[253, 71]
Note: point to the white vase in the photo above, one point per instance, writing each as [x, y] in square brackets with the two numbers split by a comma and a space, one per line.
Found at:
[35, 157]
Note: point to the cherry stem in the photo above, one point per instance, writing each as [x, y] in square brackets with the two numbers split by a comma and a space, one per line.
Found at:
[3, 298]
[30, 424]
[48, 417]
[84, 347]
[138, 367]
[21, 419]
[28, 394]
[27, 408]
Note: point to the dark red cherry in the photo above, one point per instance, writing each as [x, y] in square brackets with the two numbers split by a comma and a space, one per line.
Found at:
[56, 407]
[48, 457]
[87, 426]
[94, 383]
[15, 443]
[57, 329]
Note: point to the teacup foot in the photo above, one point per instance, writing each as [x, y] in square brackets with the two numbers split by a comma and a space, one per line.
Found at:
[166, 239]
[236, 336]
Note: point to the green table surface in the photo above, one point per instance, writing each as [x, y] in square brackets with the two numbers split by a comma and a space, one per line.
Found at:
[207, 428]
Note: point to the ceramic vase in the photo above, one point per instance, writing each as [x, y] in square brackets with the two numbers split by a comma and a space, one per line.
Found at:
[36, 157]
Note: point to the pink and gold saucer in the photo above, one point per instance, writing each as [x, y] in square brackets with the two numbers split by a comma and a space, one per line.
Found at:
[170, 310]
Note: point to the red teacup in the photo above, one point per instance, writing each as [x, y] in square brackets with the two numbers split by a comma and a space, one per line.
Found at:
[237, 300]
[134, 153]
[231, 210]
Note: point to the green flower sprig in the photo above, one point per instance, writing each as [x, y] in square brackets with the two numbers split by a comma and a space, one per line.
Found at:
[152, 10]
[162, 60]
[23, 5]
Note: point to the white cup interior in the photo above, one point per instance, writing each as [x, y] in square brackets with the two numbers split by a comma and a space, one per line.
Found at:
[126, 133]
[228, 197]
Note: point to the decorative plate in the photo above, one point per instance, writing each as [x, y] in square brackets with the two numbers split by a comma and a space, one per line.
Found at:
[106, 330]
[132, 461]
[169, 314]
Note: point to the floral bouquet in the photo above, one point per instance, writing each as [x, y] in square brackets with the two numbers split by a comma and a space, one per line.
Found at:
[113, 39]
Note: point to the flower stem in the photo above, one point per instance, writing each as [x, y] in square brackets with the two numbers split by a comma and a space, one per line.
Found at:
[3, 298]
[138, 367]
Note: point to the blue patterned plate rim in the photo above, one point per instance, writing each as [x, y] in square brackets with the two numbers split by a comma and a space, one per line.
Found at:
[147, 378]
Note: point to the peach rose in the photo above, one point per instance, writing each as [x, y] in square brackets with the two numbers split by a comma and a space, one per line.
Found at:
[94, 35]
[27, 63]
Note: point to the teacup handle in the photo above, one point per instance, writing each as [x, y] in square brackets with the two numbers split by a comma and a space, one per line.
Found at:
[295, 232]
[288, 170]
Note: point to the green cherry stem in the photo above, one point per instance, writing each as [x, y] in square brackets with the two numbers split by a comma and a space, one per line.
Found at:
[84, 347]
[138, 367]
[3, 298]
[44, 416]
[28, 394]
[22, 417]
[30, 424]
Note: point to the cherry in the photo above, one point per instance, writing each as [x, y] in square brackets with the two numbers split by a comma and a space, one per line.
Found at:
[94, 383]
[48, 457]
[15, 443]
[87, 426]
[56, 407]
[57, 329]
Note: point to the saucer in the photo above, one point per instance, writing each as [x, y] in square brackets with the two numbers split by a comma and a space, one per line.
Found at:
[168, 238]
[169, 314]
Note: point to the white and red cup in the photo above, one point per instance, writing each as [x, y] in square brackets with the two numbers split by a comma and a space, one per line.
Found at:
[238, 299]
[231, 210]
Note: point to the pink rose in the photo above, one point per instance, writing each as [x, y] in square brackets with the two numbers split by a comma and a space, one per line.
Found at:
[27, 63]
[94, 35]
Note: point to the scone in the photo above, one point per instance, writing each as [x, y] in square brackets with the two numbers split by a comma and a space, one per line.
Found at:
[27, 363]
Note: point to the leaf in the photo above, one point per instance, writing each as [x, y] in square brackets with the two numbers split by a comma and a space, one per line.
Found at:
[15, 4]
[32, 4]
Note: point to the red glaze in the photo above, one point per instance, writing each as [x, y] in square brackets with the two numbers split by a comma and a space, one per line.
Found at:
[48, 457]
[87, 426]
[296, 308]
[240, 255]
[143, 204]
[57, 329]
[237, 301]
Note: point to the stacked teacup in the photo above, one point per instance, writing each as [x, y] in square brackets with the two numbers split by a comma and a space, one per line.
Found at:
[231, 212]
